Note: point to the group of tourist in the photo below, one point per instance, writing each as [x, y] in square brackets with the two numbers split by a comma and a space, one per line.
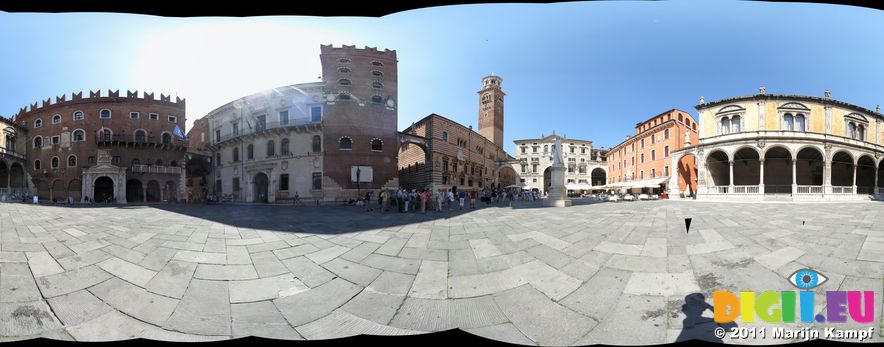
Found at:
[405, 201]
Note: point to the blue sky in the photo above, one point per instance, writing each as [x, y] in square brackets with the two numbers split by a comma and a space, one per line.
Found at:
[590, 70]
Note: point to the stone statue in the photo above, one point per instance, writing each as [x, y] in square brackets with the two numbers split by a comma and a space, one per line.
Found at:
[878, 108]
[687, 137]
[828, 93]
[702, 100]
[557, 153]
[761, 90]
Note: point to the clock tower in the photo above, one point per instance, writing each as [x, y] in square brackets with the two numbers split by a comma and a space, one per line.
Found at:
[491, 110]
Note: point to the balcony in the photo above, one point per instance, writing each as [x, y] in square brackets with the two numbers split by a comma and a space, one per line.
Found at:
[8, 152]
[157, 169]
[129, 140]
[265, 126]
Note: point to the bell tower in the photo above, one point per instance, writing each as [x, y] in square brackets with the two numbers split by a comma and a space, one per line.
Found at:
[491, 110]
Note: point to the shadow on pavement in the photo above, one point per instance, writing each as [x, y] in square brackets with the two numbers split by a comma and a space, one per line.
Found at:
[697, 327]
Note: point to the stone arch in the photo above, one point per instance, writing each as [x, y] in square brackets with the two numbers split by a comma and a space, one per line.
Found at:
[598, 176]
[17, 176]
[134, 191]
[865, 174]
[152, 193]
[170, 191]
[506, 176]
[262, 187]
[880, 183]
[717, 167]
[809, 166]
[778, 169]
[747, 166]
[843, 164]
[687, 173]
[4, 174]
[57, 190]
[103, 189]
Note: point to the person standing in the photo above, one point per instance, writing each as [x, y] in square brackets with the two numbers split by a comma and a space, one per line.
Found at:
[382, 205]
[440, 197]
[462, 197]
[423, 195]
[473, 196]
[368, 201]
[450, 199]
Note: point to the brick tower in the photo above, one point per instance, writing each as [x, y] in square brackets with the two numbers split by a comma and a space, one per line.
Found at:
[491, 110]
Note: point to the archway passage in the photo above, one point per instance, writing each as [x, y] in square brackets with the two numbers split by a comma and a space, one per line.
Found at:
[4, 175]
[134, 191]
[506, 176]
[687, 174]
[747, 167]
[718, 168]
[17, 176]
[547, 179]
[598, 177]
[261, 185]
[809, 167]
[170, 191]
[153, 191]
[75, 189]
[414, 167]
[842, 170]
[43, 190]
[777, 171]
[58, 190]
[865, 175]
[104, 189]
[881, 176]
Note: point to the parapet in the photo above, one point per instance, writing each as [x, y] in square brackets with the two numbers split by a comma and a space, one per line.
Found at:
[95, 96]
[330, 49]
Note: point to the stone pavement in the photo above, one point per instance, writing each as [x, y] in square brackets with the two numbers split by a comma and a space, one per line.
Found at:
[614, 273]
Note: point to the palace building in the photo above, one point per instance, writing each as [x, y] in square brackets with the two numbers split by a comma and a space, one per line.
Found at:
[439, 153]
[644, 160]
[69, 140]
[13, 176]
[586, 166]
[313, 140]
[787, 147]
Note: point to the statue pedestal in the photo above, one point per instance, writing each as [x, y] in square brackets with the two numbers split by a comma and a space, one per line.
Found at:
[557, 196]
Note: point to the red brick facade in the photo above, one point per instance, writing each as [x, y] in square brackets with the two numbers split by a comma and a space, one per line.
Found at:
[71, 132]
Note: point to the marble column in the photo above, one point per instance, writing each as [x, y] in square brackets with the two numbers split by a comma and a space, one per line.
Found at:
[794, 176]
[731, 175]
[854, 178]
[761, 177]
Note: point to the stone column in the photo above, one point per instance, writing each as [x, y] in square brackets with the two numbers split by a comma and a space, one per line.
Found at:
[144, 193]
[701, 175]
[730, 165]
[162, 191]
[828, 119]
[673, 177]
[794, 176]
[854, 178]
[760, 115]
[827, 177]
[875, 186]
[761, 177]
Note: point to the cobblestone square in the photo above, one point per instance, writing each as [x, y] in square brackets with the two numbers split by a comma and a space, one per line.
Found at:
[597, 272]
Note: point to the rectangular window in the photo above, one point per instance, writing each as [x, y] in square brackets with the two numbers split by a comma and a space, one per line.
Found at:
[284, 117]
[665, 171]
[92, 159]
[315, 113]
[535, 149]
[235, 129]
[56, 140]
[534, 168]
[218, 187]
[115, 160]
[154, 116]
[218, 135]
[78, 115]
[134, 115]
[236, 184]
[533, 180]
[317, 181]
[173, 119]
[284, 182]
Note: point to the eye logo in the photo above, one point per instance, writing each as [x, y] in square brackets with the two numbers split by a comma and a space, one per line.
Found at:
[807, 279]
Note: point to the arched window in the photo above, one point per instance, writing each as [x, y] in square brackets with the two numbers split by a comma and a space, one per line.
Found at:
[725, 126]
[344, 82]
[105, 114]
[343, 70]
[735, 124]
[642, 158]
[376, 99]
[666, 151]
[641, 175]
[344, 96]
[653, 155]
[666, 134]
[37, 164]
[545, 149]
[694, 125]
[345, 143]
[680, 118]
[377, 73]
[140, 136]
[851, 130]
[653, 172]
[788, 122]
[317, 144]
[377, 63]
[377, 145]
[799, 123]
[344, 61]
[105, 134]
[136, 162]
[54, 162]
[72, 161]
[56, 119]
[38, 123]
[445, 136]
[236, 154]
[167, 139]
[38, 142]
[377, 85]
[284, 147]
[271, 148]
[173, 163]
[250, 152]
[78, 135]
[860, 132]
[78, 115]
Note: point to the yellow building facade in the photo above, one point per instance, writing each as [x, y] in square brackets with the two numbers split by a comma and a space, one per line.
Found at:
[787, 147]
[13, 177]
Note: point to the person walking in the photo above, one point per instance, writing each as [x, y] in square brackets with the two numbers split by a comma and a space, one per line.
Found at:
[473, 196]
[368, 201]
[440, 197]
[450, 199]
[462, 196]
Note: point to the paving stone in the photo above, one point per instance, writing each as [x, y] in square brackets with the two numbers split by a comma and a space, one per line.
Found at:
[462, 262]
[296, 251]
[540, 319]
[359, 253]
[391, 283]
[308, 272]
[619, 248]
[780, 257]
[374, 306]
[484, 248]
[42, 264]
[204, 310]
[77, 307]
[383, 262]
[125, 270]
[353, 272]
[157, 259]
[71, 281]
[201, 257]
[597, 295]
[225, 272]
[266, 288]
[437, 315]
[431, 281]
[661, 284]
[318, 302]
[135, 301]
[342, 324]
[635, 320]
[506, 332]
[326, 255]
[173, 279]
[26, 318]
[391, 247]
[13, 257]
[260, 319]
[87, 246]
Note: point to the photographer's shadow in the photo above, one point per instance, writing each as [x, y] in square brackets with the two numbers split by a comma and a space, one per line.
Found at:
[697, 327]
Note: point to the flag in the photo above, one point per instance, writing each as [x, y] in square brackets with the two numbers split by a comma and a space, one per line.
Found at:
[179, 133]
